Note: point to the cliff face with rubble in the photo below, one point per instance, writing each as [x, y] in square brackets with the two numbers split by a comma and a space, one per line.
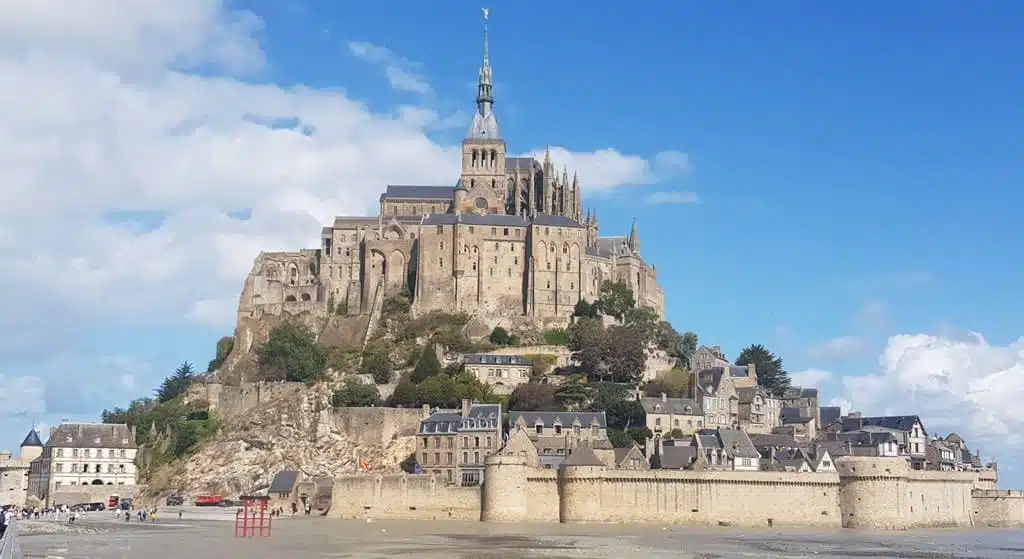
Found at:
[288, 426]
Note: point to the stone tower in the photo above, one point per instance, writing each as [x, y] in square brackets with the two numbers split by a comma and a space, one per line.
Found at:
[483, 150]
[31, 447]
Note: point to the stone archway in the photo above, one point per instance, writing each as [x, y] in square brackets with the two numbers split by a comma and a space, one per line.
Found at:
[395, 275]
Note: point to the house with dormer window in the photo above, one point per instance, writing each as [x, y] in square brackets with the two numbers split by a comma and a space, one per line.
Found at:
[908, 431]
[557, 434]
[453, 444]
[665, 416]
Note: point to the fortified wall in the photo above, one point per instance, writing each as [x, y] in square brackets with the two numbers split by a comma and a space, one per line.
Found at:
[877, 493]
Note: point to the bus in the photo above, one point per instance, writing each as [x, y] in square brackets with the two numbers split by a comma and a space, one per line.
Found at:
[208, 500]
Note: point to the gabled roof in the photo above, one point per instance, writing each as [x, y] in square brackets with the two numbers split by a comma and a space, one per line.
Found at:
[284, 482]
[675, 457]
[490, 359]
[449, 422]
[674, 406]
[583, 456]
[903, 423]
[32, 439]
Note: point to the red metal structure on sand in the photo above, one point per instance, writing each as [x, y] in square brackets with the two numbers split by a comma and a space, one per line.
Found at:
[252, 519]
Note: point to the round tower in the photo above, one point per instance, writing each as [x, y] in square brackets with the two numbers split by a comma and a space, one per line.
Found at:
[504, 497]
[31, 447]
[871, 492]
[580, 480]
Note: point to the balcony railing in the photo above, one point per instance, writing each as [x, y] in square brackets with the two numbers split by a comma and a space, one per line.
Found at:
[9, 548]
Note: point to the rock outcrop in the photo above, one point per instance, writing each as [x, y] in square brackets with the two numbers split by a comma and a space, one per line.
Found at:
[296, 431]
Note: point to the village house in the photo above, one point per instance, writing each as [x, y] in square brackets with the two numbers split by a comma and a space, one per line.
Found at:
[802, 404]
[727, 449]
[717, 395]
[672, 417]
[758, 411]
[912, 438]
[708, 357]
[503, 373]
[453, 444]
[84, 454]
[557, 434]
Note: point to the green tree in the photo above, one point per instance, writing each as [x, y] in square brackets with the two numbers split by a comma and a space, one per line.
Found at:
[291, 353]
[586, 341]
[533, 397]
[688, 346]
[675, 383]
[770, 373]
[224, 347]
[556, 336]
[377, 363]
[427, 365]
[616, 299]
[625, 354]
[645, 321]
[439, 391]
[355, 393]
[573, 396]
[404, 395]
[499, 336]
[176, 384]
[583, 309]
[619, 438]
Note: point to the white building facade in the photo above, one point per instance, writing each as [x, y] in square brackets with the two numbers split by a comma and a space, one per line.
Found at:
[84, 454]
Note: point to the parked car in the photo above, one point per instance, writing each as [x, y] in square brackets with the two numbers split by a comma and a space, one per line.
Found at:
[175, 501]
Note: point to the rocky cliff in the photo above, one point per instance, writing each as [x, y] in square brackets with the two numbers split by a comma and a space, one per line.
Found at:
[295, 431]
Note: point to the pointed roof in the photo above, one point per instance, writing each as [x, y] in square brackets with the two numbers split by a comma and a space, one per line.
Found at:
[634, 238]
[32, 439]
[583, 456]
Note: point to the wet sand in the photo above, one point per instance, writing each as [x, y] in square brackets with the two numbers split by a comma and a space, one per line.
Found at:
[202, 537]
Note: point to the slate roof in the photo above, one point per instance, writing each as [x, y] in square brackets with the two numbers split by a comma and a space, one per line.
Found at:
[564, 418]
[284, 482]
[521, 163]
[489, 359]
[746, 395]
[555, 221]
[796, 393]
[496, 220]
[582, 456]
[482, 417]
[774, 441]
[622, 453]
[904, 423]
[830, 414]
[733, 441]
[32, 439]
[709, 380]
[675, 406]
[414, 192]
[675, 457]
[91, 435]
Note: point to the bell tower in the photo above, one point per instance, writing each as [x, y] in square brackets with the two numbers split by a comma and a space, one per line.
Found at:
[483, 150]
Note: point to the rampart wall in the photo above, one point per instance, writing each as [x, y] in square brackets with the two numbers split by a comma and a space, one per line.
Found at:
[376, 426]
[875, 493]
[998, 508]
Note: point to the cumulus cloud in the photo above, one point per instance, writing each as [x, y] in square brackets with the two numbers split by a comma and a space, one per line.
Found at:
[144, 168]
[964, 384]
[809, 377]
[399, 71]
[838, 349]
[664, 198]
[608, 168]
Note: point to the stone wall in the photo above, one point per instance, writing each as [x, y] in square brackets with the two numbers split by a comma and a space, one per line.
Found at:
[998, 508]
[874, 493]
[884, 493]
[417, 497]
[375, 426]
[80, 494]
[230, 401]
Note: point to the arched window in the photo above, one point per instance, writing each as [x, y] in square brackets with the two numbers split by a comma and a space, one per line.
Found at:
[565, 248]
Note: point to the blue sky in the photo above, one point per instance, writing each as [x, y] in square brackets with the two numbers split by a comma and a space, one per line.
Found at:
[857, 169]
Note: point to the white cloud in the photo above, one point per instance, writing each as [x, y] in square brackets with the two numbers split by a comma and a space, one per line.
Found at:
[838, 349]
[608, 168]
[661, 198]
[963, 385]
[398, 70]
[101, 116]
[809, 377]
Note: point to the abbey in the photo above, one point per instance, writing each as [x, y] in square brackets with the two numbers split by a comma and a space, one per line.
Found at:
[509, 239]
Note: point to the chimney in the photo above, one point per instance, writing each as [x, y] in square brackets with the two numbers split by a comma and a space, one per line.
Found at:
[664, 397]
[466, 405]
[133, 434]
[426, 411]
[752, 370]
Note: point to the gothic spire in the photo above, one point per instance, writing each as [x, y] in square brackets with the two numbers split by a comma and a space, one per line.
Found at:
[485, 126]
[634, 239]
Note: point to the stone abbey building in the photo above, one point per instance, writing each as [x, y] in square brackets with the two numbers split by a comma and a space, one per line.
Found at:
[508, 239]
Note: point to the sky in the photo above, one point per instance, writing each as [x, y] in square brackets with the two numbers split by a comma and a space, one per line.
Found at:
[840, 183]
